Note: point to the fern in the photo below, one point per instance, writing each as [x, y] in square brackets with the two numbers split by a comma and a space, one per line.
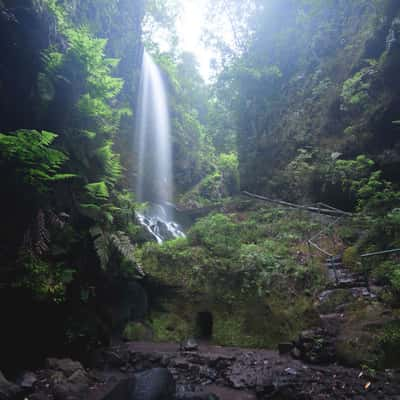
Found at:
[97, 190]
[31, 152]
[110, 162]
[42, 234]
[123, 244]
[37, 236]
[106, 243]
[101, 245]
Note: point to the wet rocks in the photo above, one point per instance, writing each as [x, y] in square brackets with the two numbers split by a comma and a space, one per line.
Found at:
[230, 373]
[123, 389]
[155, 384]
[65, 365]
[63, 379]
[27, 380]
[315, 346]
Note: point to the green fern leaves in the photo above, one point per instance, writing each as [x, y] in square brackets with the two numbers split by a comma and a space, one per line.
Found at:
[34, 159]
[106, 244]
[97, 191]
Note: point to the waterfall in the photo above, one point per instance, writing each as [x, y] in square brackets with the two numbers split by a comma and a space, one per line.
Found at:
[154, 183]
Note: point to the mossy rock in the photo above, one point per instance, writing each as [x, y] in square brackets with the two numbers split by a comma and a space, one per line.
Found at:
[359, 348]
[360, 340]
[137, 331]
[390, 345]
[254, 322]
[333, 299]
[169, 327]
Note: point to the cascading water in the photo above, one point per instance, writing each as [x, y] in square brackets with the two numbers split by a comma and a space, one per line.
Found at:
[154, 169]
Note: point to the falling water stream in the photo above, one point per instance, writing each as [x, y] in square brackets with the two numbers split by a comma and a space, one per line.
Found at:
[154, 169]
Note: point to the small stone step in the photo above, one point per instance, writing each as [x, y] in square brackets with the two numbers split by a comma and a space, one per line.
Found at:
[331, 322]
[344, 278]
[334, 259]
[334, 265]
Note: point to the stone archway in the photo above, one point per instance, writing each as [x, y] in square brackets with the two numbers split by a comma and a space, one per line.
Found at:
[204, 325]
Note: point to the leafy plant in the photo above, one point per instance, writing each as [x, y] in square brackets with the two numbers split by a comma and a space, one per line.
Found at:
[34, 158]
[106, 244]
[46, 281]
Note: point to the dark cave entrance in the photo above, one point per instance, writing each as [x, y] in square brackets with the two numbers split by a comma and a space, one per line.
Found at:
[204, 325]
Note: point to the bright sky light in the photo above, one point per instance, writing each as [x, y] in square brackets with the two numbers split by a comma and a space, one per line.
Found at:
[189, 28]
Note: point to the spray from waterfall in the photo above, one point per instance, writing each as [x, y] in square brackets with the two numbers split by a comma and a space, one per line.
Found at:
[154, 182]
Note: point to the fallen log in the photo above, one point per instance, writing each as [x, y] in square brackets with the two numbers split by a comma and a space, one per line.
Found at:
[326, 211]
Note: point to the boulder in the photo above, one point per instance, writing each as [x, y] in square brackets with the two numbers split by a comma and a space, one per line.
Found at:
[124, 389]
[70, 391]
[154, 384]
[68, 379]
[65, 365]
[8, 390]
[27, 380]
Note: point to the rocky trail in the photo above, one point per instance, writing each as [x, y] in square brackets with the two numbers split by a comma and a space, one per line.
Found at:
[343, 288]
[302, 370]
[150, 371]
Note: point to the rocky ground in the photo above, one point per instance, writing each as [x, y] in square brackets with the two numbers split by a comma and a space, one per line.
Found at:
[304, 369]
[148, 371]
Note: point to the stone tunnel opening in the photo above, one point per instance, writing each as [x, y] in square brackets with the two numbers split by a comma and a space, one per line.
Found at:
[204, 325]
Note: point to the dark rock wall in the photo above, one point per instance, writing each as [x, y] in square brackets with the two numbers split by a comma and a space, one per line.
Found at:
[306, 108]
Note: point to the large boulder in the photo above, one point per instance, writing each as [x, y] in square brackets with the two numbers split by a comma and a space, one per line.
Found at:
[27, 380]
[154, 384]
[68, 379]
[124, 389]
[65, 365]
[70, 391]
[8, 390]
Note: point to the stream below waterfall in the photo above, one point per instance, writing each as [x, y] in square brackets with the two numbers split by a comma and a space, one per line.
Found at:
[157, 222]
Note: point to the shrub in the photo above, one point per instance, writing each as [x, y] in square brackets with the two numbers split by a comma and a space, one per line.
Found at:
[218, 233]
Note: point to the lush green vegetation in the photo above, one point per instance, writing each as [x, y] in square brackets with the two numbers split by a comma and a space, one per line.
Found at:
[303, 105]
[254, 258]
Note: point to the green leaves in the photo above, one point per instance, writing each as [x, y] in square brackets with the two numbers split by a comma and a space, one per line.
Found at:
[218, 233]
[97, 191]
[106, 243]
[375, 195]
[45, 281]
[34, 158]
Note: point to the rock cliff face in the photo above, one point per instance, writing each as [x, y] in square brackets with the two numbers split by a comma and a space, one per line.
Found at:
[338, 92]
[29, 99]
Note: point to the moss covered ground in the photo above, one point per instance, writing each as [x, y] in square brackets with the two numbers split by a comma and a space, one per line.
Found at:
[249, 267]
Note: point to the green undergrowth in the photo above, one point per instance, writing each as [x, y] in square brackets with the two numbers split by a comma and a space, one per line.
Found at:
[249, 268]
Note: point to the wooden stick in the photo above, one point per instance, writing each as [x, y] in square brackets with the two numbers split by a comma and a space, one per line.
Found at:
[319, 249]
[300, 207]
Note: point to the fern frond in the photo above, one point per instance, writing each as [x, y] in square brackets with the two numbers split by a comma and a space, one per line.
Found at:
[42, 234]
[101, 245]
[97, 190]
[122, 243]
